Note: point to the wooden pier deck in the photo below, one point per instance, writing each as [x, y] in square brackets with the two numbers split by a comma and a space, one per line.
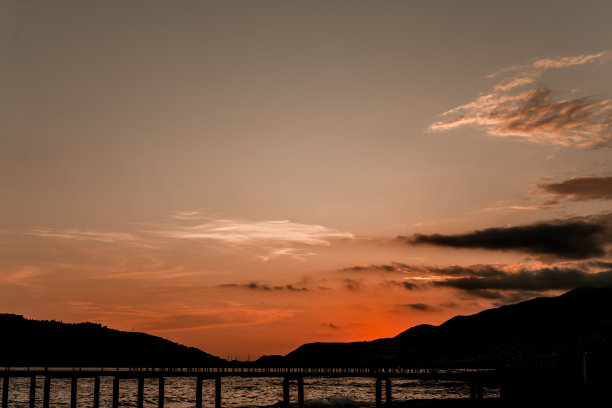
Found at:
[382, 376]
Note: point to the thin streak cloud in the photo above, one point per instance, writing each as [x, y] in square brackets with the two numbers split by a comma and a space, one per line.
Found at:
[82, 234]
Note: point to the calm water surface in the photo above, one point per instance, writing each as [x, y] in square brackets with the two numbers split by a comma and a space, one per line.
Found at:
[237, 392]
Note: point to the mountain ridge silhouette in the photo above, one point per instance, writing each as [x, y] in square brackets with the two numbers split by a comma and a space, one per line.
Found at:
[539, 331]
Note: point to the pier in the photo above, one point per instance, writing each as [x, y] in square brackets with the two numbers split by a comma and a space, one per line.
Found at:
[382, 379]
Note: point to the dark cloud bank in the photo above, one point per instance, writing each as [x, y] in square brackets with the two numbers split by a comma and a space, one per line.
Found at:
[582, 188]
[570, 239]
[497, 282]
[538, 280]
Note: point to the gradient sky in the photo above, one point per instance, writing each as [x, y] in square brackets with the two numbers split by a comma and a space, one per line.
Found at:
[245, 177]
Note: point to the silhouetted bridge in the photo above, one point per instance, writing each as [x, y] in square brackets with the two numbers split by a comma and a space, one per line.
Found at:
[477, 378]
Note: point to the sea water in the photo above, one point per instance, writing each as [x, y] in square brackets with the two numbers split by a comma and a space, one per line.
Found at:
[237, 392]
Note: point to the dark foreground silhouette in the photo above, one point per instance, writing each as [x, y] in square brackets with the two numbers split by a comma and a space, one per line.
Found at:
[545, 349]
[25, 342]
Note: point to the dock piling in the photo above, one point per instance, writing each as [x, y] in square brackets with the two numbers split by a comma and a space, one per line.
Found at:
[73, 393]
[5, 391]
[115, 392]
[160, 393]
[217, 392]
[378, 392]
[96, 395]
[300, 392]
[140, 400]
[480, 391]
[388, 394]
[286, 399]
[46, 392]
[32, 391]
[198, 392]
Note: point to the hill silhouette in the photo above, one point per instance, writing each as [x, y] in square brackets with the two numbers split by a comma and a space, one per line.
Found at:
[538, 332]
[27, 342]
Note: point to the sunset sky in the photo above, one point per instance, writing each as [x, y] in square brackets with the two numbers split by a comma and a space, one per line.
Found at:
[245, 177]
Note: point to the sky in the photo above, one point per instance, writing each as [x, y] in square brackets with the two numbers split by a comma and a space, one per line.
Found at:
[246, 177]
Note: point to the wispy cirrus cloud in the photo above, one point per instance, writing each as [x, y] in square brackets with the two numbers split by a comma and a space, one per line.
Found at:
[265, 239]
[179, 317]
[82, 234]
[246, 232]
[268, 238]
[581, 188]
[515, 106]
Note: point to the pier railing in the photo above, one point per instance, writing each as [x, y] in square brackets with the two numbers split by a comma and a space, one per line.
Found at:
[474, 376]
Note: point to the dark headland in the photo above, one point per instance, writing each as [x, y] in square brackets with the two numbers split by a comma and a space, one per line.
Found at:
[44, 343]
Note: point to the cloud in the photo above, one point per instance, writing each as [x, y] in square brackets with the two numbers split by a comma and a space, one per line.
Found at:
[263, 239]
[263, 287]
[82, 234]
[421, 307]
[174, 317]
[538, 280]
[536, 114]
[352, 284]
[410, 285]
[267, 238]
[394, 267]
[404, 284]
[503, 283]
[521, 208]
[512, 283]
[567, 239]
[246, 232]
[581, 188]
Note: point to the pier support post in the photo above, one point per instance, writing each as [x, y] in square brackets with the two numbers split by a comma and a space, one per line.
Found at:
[46, 392]
[73, 393]
[388, 394]
[115, 392]
[160, 393]
[300, 392]
[479, 391]
[140, 400]
[286, 392]
[32, 391]
[198, 403]
[96, 393]
[5, 388]
[472, 390]
[217, 392]
[378, 393]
